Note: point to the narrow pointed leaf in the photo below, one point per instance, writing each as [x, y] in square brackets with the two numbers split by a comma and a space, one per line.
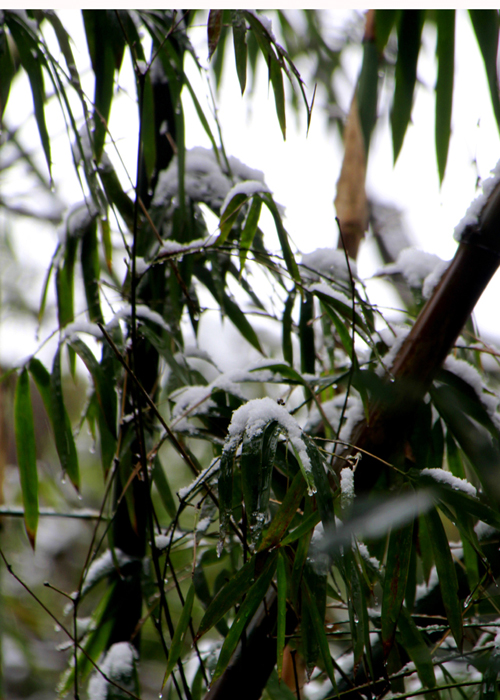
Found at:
[229, 216]
[32, 59]
[396, 577]
[228, 596]
[247, 609]
[447, 575]
[240, 320]
[24, 429]
[65, 442]
[179, 634]
[249, 229]
[287, 326]
[279, 92]
[288, 256]
[160, 480]
[214, 27]
[286, 513]
[409, 34]
[414, 644]
[240, 47]
[90, 270]
[445, 20]
[384, 22]
[281, 617]
[486, 28]
[319, 627]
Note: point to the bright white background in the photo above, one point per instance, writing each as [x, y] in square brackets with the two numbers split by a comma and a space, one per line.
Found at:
[303, 170]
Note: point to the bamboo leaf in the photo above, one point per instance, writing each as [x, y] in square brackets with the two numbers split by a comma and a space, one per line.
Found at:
[65, 443]
[414, 644]
[486, 28]
[90, 271]
[32, 60]
[384, 22]
[447, 575]
[249, 229]
[239, 319]
[367, 91]
[103, 384]
[306, 334]
[277, 690]
[287, 326]
[24, 429]
[247, 609]
[281, 616]
[240, 47]
[228, 596]
[319, 629]
[396, 577]
[7, 70]
[279, 91]
[286, 513]
[179, 634]
[160, 480]
[214, 27]
[229, 215]
[288, 256]
[445, 51]
[409, 33]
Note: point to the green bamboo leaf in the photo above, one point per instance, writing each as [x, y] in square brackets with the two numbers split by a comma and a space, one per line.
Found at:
[287, 326]
[277, 690]
[319, 629]
[445, 50]
[486, 28]
[7, 70]
[249, 229]
[228, 596]
[384, 22]
[94, 643]
[32, 59]
[343, 330]
[179, 634]
[41, 375]
[306, 334]
[103, 383]
[256, 466]
[413, 643]
[367, 91]
[396, 577]
[489, 686]
[214, 27]
[240, 47]
[160, 480]
[279, 91]
[468, 420]
[281, 615]
[229, 215]
[247, 609]
[306, 526]
[65, 442]
[409, 33]
[240, 320]
[425, 546]
[105, 42]
[24, 429]
[323, 494]
[115, 194]
[90, 270]
[447, 575]
[288, 256]
[286, 513]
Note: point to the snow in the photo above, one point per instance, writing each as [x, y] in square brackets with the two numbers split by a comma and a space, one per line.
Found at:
[141, 311]
[175, 248]
[118, 666]
[415, 265]
[330, 262]
[81, 327]
[206, 178]
[471, 376]
[202, 476]
[444, 477]
[252, 418]
[394, 338]
[347, 487]
[161, 541]
[329, 291]
[77, 218]
[103, 566]
[473, 213]
[430, 282]
[266, 23]
[247, 187]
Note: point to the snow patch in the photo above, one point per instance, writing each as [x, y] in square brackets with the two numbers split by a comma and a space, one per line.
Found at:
[252, 418]
[444, 477]
[247, 187]
[330, 262]
[347, 487]
[118, 666]
[473, 213]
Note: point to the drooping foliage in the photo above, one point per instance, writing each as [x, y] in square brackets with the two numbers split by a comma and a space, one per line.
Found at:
[328, 513]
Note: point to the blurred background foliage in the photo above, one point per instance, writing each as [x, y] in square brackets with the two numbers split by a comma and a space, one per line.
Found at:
[165, 499]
